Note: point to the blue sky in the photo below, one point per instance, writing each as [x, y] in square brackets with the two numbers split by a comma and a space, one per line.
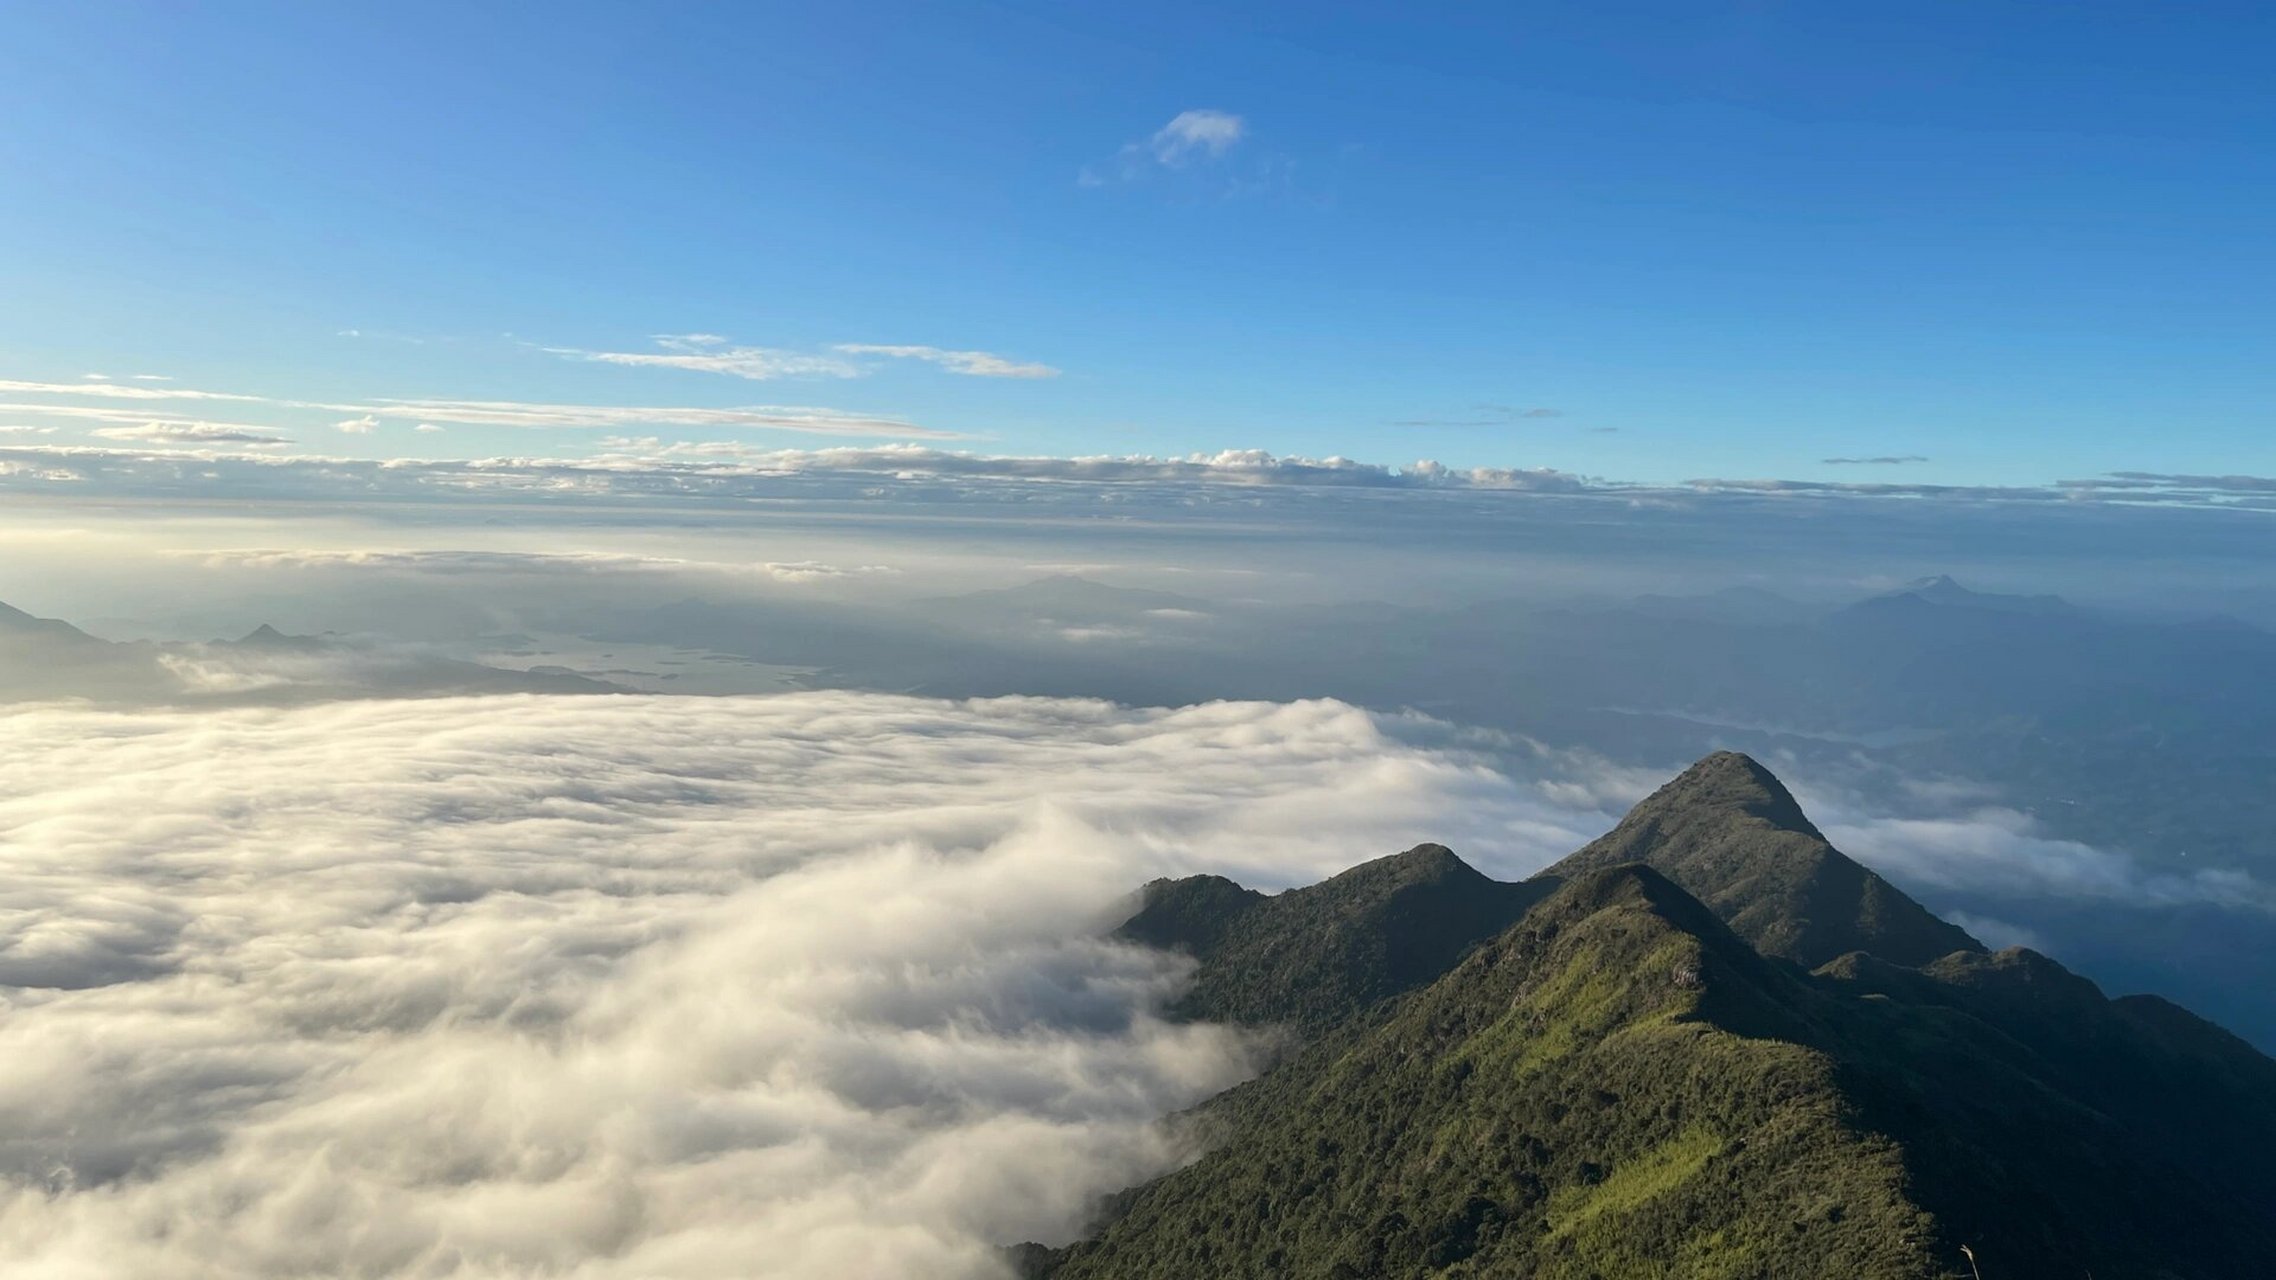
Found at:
[1647, 242]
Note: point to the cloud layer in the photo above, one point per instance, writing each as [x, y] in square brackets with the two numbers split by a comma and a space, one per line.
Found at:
[802, 986]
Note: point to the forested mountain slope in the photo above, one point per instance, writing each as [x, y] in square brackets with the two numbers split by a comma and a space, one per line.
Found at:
[1637, 1076]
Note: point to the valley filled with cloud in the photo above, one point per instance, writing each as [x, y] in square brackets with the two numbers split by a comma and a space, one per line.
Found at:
[629, 986]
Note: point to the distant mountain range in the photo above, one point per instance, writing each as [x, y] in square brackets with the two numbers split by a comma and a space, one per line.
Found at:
[43, 658]
[2140, 733]
[1707, 1045]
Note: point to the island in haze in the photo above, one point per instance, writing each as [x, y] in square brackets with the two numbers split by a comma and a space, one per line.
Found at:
[1708, 1044]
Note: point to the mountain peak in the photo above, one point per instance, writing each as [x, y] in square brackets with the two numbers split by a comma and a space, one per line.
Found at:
[1943, 590]
[268, 637]
[1735, 781]
[19, 622]
[1731, 834]
[1423, 864]
[1311, 956]
[1941, 584]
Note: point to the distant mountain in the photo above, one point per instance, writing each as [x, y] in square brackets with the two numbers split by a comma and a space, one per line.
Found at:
[1941, 590]
[269, 638]
[41, 658]
[16, 623]
[1618, 1083]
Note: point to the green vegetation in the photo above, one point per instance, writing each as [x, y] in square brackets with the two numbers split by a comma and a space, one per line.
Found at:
[1731, 834]
[1617, 1084]
[1314, 957]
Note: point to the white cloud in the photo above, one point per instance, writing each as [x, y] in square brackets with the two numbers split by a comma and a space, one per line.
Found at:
[665, 473]
[364, 425]
[710, 353]
[1201, 132]
[1996, 933]
[1234, 467]
[46, 475]
[2006, 854]
[526, 414]
[115, 391]
[629, 986]
[427, 428]
[192, 433]
[451, 563]
[816, 571]
[976, 364]
[500, 413]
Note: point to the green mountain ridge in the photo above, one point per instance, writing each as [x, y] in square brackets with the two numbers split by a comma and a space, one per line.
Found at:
[1706, 1045]
[1730, 832]
[1314, 956]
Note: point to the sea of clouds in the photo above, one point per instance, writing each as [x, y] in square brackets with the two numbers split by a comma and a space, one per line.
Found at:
[804, 985]
[810, 985]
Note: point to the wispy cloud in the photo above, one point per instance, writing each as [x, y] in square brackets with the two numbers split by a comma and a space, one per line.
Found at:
[711, 353]
[1201, 133]
[191, 433]
[494, 413]
[446, 563]
[116, 391]
[1191, 139]
[145, 422]
[1486, 415]
[460, 563]
[817, 571]
[2158, 481]
[1885, 460]
[523, 414]
[976, 364]
[2000, 851]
